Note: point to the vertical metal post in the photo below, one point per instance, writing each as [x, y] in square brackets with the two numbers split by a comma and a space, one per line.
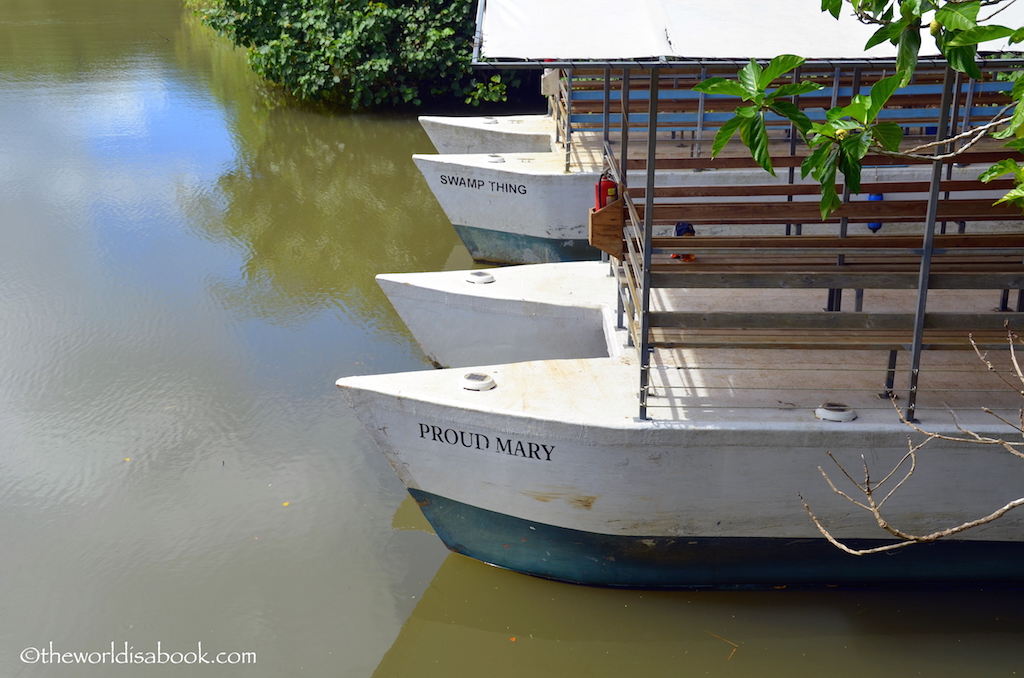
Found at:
[623, 146]
[926, 248]
[652, 144]
[624, 126]
[700, 112]
[836, 296]
[792, 149]
[568, 118]
[606, 118]
[957, 83]
[606, 142]
[968, 110]
[890, 375]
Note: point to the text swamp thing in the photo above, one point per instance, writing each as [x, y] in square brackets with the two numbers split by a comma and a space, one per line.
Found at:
[478, 441]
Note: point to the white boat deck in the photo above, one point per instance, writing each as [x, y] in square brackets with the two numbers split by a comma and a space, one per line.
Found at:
[551, 311]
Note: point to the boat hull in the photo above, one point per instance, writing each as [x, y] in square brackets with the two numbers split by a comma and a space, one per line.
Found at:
[550, 474]
[490, 134]
[683, 561]
[524, 209]
[536, 312]
[501, 247]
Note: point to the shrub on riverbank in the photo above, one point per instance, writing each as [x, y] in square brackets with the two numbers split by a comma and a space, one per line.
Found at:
[364, 54]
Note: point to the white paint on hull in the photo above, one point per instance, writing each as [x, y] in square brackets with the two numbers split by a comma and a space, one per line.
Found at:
[556, 442]
[528, 194]
[567, 310]
[531, 194]
[490, 134]
[541, 311]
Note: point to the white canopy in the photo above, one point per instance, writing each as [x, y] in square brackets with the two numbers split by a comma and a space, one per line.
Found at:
[611, 30]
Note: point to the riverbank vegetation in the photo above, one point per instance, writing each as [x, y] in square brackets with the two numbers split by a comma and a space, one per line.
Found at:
[365, 55]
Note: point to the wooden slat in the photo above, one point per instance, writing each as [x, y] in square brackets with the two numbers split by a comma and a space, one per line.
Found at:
[944, 242]
[830, 321]
[741, 162]
[892, 211]
[829, 340]
[779, 189]
[837, 278]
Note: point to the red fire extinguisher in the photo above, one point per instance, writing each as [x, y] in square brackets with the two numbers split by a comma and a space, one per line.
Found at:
[605, 192]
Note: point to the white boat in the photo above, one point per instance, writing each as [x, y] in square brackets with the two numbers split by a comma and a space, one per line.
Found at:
[490, 133]
[551, 474]
[685, 459]
[514, 208]
[508, 314]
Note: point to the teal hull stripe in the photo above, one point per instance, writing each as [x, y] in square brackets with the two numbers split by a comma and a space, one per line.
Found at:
[511, 248]
[698, 562]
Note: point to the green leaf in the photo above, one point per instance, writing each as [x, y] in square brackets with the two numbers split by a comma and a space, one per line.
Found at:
[911, 9]
[1018, 36]
[888, 32]
[747, 111]
[789, 110]
[1013, 196]
[1001, 168]
[856, 109]
[1015, 121]
[812, 163]
[959, 15]
[755, 136]
[906, 53]
[880, 93]
[857, 145]
[783, 63]
[889, 135]
[722, 86]
[854, 148]
[749, 76]
[973, 36]
[725, 133]
[832, 7]
[830, 201]
[794, 90]
[963, 59]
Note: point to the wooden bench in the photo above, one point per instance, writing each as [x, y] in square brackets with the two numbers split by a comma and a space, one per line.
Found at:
[684, 111]
[778, 264]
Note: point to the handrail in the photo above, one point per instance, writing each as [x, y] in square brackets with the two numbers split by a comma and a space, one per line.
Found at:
[819, 262]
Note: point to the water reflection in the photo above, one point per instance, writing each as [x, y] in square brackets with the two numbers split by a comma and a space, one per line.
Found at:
[476, 620]
[186, 267]
[168, 345]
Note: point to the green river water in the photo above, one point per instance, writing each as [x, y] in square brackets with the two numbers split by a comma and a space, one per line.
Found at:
[186, 266]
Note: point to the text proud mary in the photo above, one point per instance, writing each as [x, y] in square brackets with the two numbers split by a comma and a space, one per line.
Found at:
[478, 441]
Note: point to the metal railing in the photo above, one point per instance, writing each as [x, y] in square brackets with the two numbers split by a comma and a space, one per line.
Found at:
[955, 111]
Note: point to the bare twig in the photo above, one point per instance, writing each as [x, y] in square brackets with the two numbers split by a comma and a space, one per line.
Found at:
[979, 132]
[869, 489]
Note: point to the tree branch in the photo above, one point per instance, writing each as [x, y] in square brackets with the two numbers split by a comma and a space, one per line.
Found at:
[868, 489]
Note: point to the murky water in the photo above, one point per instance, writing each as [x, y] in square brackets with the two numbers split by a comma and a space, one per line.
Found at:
[185, 268]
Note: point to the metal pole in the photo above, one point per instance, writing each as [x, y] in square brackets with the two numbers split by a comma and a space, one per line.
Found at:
[623, 145]
[652, 143]
[478, 34]
[568, 118]
[624, 126]
[700, 113]
[792, 146]
[952, 132]
[926, 248]
[835, 299]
